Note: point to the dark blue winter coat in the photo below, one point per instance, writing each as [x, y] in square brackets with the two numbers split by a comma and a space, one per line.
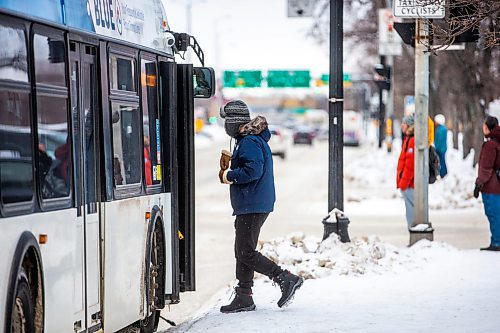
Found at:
[251, 174]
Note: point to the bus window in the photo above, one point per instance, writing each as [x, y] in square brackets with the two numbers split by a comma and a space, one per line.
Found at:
[16, 161]
[126, 143]
[13, 58]
[54, 150]
[151, 123]
[16, 170]
[49, 60]
[122, 73]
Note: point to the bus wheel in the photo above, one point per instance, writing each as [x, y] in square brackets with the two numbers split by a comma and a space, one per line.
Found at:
[150, 324]
[23, 314]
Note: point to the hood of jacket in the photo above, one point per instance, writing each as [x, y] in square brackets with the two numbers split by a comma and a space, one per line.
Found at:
[255, 127]
[495, 134]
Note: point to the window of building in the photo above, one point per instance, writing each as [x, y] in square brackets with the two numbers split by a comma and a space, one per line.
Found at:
[151, 123]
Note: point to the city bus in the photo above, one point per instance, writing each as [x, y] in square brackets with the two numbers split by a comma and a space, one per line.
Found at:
[96, 164]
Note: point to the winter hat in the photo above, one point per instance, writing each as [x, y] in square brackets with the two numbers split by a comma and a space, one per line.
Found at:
[439, 119]
[235, 112]
[409, 120]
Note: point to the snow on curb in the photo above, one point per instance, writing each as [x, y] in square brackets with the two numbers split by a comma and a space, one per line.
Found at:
[313, 259]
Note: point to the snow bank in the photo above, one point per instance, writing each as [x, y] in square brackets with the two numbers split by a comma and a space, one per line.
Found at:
[312, 259]
[378, 170]
[372, 287]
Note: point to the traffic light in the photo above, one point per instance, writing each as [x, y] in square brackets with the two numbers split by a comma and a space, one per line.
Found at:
[383, 76]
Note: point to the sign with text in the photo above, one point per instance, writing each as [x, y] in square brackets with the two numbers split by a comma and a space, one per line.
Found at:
[431, 9]
[293, 79]
[389, 42]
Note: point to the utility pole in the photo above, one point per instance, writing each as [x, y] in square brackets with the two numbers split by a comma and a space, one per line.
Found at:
[421, 180]
[381, 109]
[338, 223]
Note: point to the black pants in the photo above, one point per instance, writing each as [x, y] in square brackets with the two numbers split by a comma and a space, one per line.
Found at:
[248, 259]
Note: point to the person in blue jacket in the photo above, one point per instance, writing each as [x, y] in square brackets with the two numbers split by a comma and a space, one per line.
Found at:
[251, 180]
[440, 142]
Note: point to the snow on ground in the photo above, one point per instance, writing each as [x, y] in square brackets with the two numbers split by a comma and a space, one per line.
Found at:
[378, 170]
[369, 286]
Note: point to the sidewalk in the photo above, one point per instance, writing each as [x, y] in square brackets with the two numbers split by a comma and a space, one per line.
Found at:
[435, 288]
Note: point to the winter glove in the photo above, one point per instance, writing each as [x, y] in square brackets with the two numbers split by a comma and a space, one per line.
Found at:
[223, 177]
[476, 191]
[225, 159]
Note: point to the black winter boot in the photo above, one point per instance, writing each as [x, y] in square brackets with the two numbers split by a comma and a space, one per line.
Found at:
[242, 301]
[288, 283]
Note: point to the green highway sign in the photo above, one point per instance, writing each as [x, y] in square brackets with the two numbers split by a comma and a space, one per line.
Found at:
[242, 79]
[346, 79]
[293, 79]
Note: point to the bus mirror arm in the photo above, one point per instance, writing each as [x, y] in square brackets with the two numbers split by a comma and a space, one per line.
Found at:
[183, 41]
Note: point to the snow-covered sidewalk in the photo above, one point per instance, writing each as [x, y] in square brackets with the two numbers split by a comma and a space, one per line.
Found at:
[370, 286]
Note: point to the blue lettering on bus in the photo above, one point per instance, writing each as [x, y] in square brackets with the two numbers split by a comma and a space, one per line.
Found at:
[104, 14]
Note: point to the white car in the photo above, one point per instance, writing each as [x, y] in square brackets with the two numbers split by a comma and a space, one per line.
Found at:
[353, 128]
[280, 141]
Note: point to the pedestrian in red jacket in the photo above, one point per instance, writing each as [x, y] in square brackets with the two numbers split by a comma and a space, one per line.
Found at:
[406, 164]
[488, 179]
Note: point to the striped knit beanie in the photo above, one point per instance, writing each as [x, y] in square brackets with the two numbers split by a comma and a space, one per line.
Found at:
[235, 112]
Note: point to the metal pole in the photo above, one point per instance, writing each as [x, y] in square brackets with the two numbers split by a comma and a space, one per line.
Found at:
[389, 108]
[421, 126]
[335, 112]
[381, 111]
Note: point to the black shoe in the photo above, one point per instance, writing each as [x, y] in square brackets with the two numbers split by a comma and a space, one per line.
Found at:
[242, 301]
[491, 248]
[288, 283]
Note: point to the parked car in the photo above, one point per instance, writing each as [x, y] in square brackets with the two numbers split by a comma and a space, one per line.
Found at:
[303, 135]
[353, 127]
[279, 141]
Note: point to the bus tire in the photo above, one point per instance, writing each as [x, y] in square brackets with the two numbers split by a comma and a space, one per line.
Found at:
[156, 262]
[23, 313]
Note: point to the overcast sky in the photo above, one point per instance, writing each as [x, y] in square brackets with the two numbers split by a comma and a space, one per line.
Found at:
[249, 34]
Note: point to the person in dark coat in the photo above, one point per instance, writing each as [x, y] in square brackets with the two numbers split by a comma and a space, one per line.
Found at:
[251, 179]
[488, 179]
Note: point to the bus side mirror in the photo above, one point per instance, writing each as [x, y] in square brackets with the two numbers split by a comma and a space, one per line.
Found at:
[203, 82]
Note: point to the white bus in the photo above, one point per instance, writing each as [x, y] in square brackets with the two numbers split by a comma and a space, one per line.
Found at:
[96, 164]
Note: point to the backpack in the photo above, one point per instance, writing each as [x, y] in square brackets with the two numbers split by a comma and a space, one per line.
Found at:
[434, 165]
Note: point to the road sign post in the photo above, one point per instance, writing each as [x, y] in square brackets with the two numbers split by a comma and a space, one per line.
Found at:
[336, 132]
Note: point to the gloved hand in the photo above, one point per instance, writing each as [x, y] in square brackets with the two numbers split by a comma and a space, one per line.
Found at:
[225, 159]
[223, 177]
[476, 191]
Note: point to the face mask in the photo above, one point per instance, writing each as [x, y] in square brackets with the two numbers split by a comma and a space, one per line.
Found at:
[233, 130]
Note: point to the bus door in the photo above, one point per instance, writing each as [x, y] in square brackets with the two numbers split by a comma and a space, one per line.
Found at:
[185, 162]
[83, 76]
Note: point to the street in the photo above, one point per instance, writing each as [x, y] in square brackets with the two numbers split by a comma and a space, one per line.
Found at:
[301, 191]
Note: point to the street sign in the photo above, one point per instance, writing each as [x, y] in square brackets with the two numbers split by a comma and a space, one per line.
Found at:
[389, 42]
[293, 79]
[300, 8]
[419, 9]
[242, 79]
